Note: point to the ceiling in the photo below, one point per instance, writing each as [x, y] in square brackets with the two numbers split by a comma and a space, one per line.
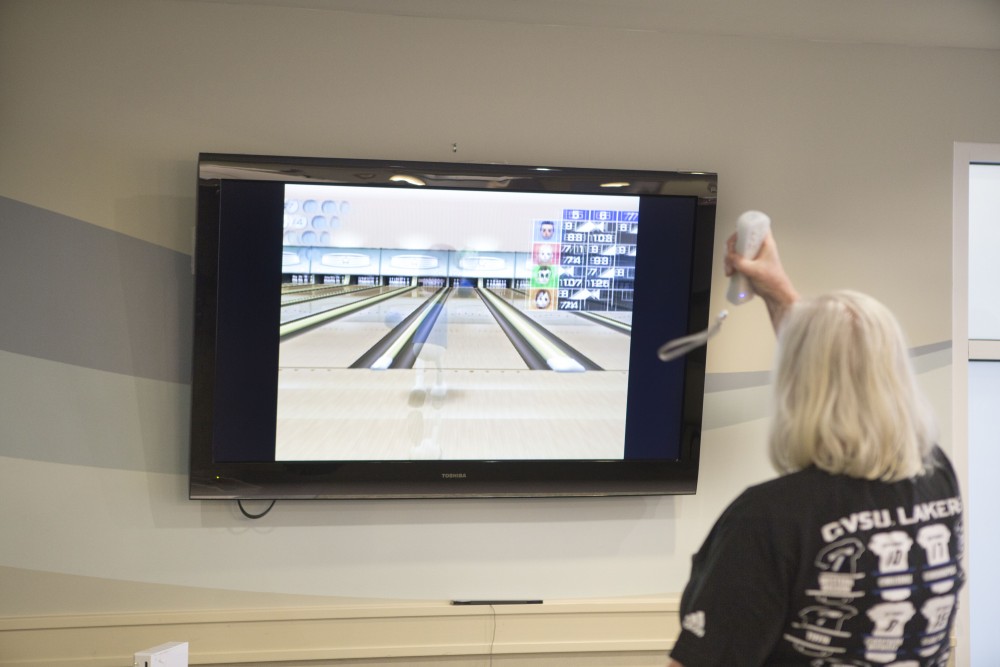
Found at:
[938, 23]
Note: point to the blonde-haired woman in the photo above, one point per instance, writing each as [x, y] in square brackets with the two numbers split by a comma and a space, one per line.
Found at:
[853, 555]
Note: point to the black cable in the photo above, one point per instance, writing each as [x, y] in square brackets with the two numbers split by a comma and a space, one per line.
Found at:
[239, 503]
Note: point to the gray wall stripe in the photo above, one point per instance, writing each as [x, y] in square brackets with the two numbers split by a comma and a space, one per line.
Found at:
[80, 294]
[729, 381]
[930, 348]
[922, 362]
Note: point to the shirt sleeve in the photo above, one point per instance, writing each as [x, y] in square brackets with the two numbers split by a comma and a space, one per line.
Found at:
[734, 607]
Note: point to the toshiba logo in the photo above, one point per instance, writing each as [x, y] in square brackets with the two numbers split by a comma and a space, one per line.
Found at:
[453, 475]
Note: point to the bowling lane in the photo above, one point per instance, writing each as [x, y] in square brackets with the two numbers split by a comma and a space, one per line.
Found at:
[340, 414]
[295, 293]
[470, 395]
[468, 337]
[340, 342]
[291, 293]
[465, 336]
[298, 305]
[608, 349]
[623, 316]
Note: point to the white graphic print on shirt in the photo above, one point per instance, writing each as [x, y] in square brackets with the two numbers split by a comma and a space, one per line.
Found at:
[937, 611]
[821, 626]
[893, 550]
[838, 563]
[935, 539]
[898, 579]
[887, 636]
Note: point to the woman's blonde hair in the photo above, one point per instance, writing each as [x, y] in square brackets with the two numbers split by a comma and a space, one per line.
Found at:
[846, 399]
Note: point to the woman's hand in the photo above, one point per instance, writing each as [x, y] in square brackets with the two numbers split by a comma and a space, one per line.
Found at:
[766, 275]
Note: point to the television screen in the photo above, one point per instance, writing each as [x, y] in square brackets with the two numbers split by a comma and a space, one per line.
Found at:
[369, 328]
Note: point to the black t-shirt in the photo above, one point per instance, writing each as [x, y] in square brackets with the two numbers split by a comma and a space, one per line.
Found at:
[828, 570]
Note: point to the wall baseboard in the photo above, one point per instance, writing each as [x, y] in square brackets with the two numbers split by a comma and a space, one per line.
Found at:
[628, 632]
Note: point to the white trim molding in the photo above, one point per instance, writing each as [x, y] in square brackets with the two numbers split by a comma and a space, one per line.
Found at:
[984, 350]
[632, 632]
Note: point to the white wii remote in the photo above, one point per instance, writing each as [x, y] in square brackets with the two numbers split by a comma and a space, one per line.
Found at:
[751, 230]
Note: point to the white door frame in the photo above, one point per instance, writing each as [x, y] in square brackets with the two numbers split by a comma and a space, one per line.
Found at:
[961, 350]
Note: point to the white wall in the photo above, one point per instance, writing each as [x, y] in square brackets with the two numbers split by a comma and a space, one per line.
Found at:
[106, 104]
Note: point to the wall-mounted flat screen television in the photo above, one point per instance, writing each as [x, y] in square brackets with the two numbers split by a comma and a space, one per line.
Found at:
[399, 329]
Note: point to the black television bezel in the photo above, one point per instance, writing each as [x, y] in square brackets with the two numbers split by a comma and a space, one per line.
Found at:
[439, 479]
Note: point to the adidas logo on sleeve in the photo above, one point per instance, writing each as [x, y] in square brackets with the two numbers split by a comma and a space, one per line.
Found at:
[695, 623]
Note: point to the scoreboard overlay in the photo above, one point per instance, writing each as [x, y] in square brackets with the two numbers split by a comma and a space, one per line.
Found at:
[585, 261]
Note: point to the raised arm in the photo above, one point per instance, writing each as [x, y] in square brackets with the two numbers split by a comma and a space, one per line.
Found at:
[767, 276]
